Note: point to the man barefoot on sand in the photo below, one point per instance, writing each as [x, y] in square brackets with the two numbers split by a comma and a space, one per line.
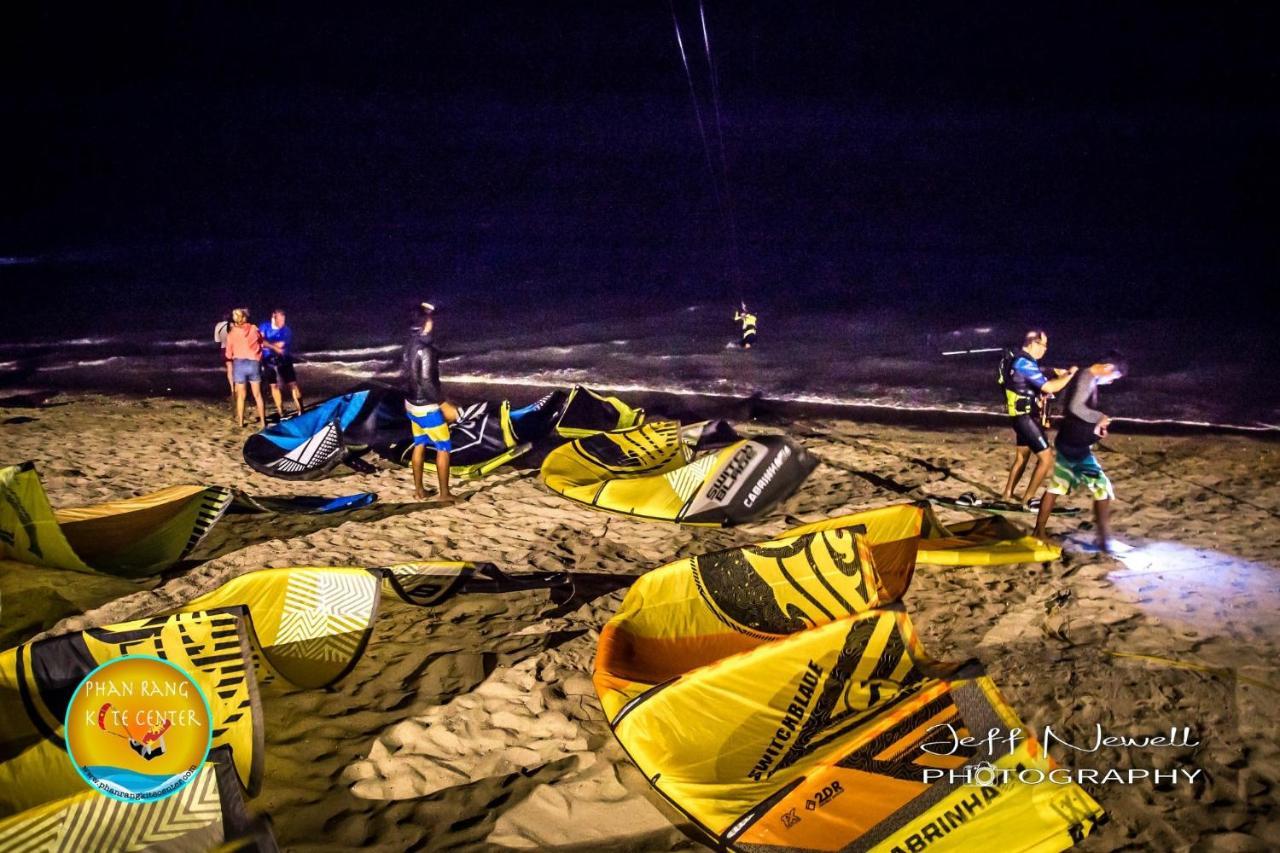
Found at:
[277, 362]
[244, 348]
[1024, 384]
[429, 412]
[1076, 465]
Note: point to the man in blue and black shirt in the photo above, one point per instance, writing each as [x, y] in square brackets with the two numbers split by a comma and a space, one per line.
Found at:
[277, 361]
[1024, 386]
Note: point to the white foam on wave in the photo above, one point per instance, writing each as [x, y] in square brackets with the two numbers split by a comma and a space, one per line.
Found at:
[92, 362]
[73, 342]
[739, 393]
[349, 353]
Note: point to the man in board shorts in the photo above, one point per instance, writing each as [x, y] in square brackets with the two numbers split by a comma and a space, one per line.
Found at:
[429, 412]
[1076, 465]
[1024, 384]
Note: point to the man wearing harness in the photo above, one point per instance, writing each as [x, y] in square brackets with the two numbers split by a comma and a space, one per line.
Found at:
[748, 321]
[429, 412]
[1024, 384]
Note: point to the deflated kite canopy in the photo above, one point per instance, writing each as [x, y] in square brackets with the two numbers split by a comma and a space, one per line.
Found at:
[702, 474]
[308, 625]
[698, 610]
[489, 435]
[206, 814]
[986, 541]
[588, 412]
[107, 545]
[309, 446]
[37, 680]
[135, 537]
[312, 624]
[776, 696]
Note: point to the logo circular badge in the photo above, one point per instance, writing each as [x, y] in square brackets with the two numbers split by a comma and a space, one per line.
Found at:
[138, 728]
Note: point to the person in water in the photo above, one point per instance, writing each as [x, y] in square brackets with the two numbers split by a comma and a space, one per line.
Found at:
[244, 347]
[748, 321]
[277, 361]
[1025, 386]
[429, 412]
[1082, 427]
[220, 330]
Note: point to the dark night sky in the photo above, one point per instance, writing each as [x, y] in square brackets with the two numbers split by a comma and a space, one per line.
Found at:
[962, 152]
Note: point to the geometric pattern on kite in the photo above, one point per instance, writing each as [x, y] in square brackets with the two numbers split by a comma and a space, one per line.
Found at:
[685, 481]
[213, 647]
[310, 625]
[778, 696]
[985, 541]
[204, 814]
[324, 613]
[698, 610]
[699, 474]
[309, 446]
[817, 741]
[37, 680]
[586, 412]
[135, 537]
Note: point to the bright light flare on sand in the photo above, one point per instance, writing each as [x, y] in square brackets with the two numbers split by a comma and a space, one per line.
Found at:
[1198, 587]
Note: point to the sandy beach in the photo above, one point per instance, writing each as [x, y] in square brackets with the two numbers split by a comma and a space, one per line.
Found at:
[474, 725]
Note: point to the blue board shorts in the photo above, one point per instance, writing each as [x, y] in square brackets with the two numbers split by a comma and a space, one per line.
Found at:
[1086, 472]
[429, 426]
[246, 370]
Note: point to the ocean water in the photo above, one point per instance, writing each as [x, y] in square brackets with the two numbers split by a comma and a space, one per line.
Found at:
[576, 238]
[808, 352]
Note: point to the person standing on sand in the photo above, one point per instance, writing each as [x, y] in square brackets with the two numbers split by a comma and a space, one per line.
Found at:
[277, 361]
[748, 321]
[1024, 387]
[220, 330]
[244, 348]
[429, 412]
[1082, 427]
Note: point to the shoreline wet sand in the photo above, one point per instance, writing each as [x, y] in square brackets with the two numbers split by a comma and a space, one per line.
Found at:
[474, 725]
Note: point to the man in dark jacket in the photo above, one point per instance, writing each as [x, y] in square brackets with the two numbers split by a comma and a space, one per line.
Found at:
[1082, 426]
[429, 412]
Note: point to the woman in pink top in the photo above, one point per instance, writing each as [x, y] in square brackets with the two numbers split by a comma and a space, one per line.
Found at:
[244, 348]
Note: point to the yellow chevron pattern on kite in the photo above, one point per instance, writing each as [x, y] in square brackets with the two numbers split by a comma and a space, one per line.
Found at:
[211, 647]
[90, 821]
[778, 695]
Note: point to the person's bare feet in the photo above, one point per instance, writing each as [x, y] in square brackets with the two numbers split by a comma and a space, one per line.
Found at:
[446, 500]
[420, 495]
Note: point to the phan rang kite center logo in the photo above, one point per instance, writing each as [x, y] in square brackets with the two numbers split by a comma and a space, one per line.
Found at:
[138, 728]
